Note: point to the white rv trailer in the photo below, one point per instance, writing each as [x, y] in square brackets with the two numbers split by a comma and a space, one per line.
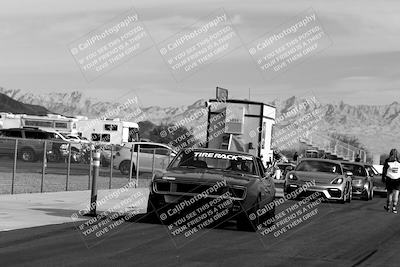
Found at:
[108, 131]
[9, 120]
[51, 122]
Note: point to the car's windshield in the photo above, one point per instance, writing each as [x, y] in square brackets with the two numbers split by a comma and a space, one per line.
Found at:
[282, 166]
[211, 160]
[319, 166]
[357, 170]
[371, 170]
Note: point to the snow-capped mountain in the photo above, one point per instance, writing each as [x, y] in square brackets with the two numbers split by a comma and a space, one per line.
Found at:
[376, 126]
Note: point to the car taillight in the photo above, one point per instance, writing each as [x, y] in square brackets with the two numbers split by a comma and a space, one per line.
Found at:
[291, 176]
[337, 181]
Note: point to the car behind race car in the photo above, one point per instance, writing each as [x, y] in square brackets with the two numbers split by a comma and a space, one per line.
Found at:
[329, 177]
[379, 185]
[362, 184]
[200, 176]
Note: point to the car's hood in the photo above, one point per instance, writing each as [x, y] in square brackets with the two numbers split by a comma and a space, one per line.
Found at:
[205, 176]
[319, 177]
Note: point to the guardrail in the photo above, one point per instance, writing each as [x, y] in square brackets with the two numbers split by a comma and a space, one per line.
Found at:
[32, 165]
[335, 147]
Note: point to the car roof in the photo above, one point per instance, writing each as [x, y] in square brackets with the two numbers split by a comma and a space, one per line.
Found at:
[286, 163]
[145, 143]
[352, 163]
[319, 159]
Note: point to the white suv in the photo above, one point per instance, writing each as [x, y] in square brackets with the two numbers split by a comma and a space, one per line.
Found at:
[163, 154]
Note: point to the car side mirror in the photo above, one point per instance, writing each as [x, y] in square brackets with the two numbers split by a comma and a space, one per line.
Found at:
[349, 174]
[371, 175]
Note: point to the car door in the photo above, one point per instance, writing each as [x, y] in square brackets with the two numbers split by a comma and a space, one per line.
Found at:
[146, 157]
[7, 143]
[161, 156]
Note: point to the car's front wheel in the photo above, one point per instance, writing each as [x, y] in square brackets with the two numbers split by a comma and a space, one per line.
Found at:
[371, 194]
[152, 207]
[350, 196]
[345, 193]
[249, 220]
[365, 196]
[125, 166]
[28, 155]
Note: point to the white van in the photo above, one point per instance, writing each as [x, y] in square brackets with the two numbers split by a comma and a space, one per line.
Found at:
[163, 154]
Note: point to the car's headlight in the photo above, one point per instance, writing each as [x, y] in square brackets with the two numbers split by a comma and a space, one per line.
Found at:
[291, 176]
[337, 181]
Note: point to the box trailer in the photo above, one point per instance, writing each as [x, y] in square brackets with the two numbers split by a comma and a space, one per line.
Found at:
[241, 125]
[108, 131]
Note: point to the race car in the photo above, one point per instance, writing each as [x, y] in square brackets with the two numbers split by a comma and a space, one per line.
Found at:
[326, 176]
[201, 178]
[362, 184]
[379, 186]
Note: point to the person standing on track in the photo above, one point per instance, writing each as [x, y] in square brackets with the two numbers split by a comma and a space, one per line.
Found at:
[391, 176]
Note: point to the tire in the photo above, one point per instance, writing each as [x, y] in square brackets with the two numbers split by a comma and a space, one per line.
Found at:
[350, 196]
[243, 221]
[28, 155]
[371, 194]
[52, 157]
[344, 200]
[365, 195]
[124, 167]
[151, 214]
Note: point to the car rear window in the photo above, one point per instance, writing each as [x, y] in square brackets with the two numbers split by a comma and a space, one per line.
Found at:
[35, 135]
[357, 170]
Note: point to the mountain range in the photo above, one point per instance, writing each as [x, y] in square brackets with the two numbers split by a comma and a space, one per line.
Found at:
[377, 127]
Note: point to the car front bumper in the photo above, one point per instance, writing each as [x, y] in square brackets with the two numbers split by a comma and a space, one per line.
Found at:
[329, 191]
[358, 190]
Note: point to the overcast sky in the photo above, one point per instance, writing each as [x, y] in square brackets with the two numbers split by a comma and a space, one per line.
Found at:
[362, 65]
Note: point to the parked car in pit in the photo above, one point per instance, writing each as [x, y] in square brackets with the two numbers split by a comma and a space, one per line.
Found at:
[379, 187]
[163, 154]
[191, 173]
[30, 143]
[362, 184]
[330, 179]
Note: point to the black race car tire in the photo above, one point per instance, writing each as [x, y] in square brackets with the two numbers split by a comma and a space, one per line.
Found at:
[244, 223]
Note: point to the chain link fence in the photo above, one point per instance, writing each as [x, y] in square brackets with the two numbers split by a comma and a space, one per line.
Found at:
[33, 166]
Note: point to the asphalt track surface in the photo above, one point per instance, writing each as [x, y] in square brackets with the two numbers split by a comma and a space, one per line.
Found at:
[357, 234]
